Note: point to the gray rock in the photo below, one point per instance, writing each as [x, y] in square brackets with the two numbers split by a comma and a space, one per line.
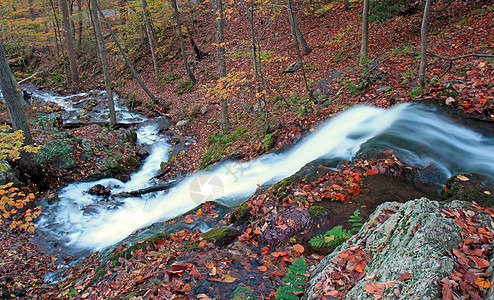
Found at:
[294, 67]
[414, 239]
[182, 123]
[203, 110]
[8, 175]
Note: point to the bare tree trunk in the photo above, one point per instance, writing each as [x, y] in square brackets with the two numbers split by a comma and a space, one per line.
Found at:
[305, 48]
[149, 33]
[296, 41]
[255, 61]
[182, 45]
[365, 32]
[80, 24]
[69, 42]
[104, 61]
[13, 100]
[129, 65]
[220, 40]
[31, 10]
[423, 54]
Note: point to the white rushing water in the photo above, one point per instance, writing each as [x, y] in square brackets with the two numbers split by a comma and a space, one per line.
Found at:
[419, 135]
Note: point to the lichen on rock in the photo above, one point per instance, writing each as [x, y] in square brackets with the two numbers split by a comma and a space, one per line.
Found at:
[412, 237]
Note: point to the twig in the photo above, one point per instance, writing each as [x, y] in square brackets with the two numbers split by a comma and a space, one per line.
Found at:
[451, 60]
[27, 78]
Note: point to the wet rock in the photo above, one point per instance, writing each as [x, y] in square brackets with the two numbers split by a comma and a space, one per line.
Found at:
[99, 190]
[52, 198]
[291, 222]
[469, 187]
[7, 175]
[412, 237]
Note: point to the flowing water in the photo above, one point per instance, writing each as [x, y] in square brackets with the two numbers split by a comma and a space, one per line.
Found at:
[419, 135]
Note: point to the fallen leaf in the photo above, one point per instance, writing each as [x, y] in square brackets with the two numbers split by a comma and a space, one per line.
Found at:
[276, 273]
[228, 278]
[371, 288]
[298, 248]
[203, 297]
[462, 177]
[262, 268]
[405, 276]
[371, 172]
[188, 219]
[360, 267]
[483, 282]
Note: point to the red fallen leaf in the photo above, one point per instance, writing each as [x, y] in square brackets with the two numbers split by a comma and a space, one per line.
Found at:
[356, 191]
[257, 232]
[203, 297]
[203, 243]
[447, 288]
[193, 271]
[278, 254]
[371, 288]
[114, 285]
[215, 279]
[405, 276]
[279, 222]
[262, 268]
[481, 262]
[277, 273]
[265, 250]
[371, 172]
[344, 254]
[417, 228]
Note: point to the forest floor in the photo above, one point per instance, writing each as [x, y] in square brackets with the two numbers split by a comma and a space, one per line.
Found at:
[188, 264]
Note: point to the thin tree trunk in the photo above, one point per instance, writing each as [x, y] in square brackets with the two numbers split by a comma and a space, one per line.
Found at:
[296, 41]
[56, 27]
[423, 54]
[149, 32]
[31, 10]
[365, 32]
[74, 73]
[255, 61]
[104, 61]
[129, 65]
[305, 48]
[182, 46]
[220, 40]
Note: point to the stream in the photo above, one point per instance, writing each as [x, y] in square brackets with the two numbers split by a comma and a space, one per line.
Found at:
[420, 136]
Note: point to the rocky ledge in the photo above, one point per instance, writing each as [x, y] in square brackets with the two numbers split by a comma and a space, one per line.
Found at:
[421, 249]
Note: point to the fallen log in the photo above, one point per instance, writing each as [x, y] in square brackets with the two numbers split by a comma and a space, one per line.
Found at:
[73, 125]
[143, 191]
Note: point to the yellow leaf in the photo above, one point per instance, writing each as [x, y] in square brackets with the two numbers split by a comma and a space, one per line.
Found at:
[328, 239]
[228, 279]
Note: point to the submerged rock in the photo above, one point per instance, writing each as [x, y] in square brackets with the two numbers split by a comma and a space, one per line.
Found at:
[469, 187]
[400, 238]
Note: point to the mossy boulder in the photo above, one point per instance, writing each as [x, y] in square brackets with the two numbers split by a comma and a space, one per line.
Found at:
[221, 237]
[241, 214]
[470, 188]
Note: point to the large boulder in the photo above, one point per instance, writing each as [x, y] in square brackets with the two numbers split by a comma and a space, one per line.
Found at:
[402, 252]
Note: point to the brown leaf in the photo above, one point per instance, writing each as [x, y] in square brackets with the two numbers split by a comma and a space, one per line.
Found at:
[298, 248]
[405, 276]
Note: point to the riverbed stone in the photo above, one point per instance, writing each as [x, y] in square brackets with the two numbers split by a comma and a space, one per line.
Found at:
[411, 237]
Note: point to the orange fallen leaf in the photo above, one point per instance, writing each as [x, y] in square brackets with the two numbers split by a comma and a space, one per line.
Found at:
[483, 282]
[265, 250]
[405, 276]
[188, 219]
[298, 248]
[262, 268]
[360, 267]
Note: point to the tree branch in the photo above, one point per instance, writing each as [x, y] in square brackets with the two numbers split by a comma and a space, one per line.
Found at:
[451, 60]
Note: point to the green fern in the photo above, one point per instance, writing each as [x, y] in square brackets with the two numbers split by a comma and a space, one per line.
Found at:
[332, 238]
[336, 236]
[295, 279]
[356, 221]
